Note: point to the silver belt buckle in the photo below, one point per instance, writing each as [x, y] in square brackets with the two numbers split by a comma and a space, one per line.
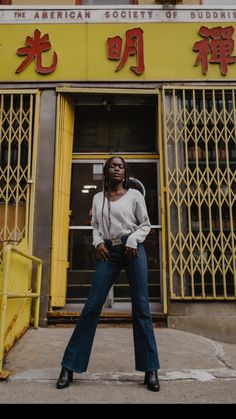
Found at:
[116, 242]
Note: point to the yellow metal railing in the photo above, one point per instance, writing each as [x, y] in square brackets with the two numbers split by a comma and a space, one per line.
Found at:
[15, 318]
[200, 168]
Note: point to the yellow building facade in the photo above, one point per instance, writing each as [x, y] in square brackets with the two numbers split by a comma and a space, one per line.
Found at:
[156, 85]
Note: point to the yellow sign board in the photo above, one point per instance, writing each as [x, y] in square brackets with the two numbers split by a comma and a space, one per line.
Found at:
[79, 52]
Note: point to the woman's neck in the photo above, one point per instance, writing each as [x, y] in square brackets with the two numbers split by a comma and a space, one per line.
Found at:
[116, 188]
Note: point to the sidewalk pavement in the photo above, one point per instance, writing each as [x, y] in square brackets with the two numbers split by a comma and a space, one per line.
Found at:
[194, 369]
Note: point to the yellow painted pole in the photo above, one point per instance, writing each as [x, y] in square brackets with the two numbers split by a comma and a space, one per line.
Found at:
[32, 174]
[3, 296]
[163, 208]
[38, 288]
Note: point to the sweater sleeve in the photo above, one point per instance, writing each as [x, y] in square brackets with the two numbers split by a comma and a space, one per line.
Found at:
[144, 226]
[97, 239]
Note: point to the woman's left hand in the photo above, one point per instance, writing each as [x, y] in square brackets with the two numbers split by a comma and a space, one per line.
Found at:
[130, 252]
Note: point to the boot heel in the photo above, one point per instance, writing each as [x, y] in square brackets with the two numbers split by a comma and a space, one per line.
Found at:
[70, 376]
[66, 377]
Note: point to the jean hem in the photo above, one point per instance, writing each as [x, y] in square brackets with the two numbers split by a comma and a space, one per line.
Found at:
[147, 369]
[73, 369]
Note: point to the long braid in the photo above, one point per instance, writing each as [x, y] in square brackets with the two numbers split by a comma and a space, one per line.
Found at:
[106, 187]
[109, 213]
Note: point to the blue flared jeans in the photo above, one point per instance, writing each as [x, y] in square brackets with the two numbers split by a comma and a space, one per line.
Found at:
[77, 353]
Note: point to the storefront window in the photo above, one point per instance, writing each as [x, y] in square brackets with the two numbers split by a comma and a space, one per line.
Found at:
[115, 123]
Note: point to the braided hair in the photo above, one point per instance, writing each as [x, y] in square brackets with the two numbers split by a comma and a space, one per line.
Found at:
[106, 185]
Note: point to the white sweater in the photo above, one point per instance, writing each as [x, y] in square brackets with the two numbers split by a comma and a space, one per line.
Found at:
[128, 216]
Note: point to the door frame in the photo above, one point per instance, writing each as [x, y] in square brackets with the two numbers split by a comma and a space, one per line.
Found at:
[85, 156]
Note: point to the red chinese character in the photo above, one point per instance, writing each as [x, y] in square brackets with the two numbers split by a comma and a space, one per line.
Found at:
[133, 46]
[33, 50]
[219, 44]
[114, 47]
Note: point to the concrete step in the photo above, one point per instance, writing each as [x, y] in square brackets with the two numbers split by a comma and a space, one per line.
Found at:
[58, 317]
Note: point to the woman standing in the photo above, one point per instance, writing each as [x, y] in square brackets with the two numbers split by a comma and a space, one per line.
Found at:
[120, 225]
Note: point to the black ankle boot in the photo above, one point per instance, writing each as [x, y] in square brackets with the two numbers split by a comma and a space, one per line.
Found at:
[66, 377]
[151, 380]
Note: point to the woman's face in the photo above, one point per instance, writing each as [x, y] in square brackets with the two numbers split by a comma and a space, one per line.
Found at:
[116, 170]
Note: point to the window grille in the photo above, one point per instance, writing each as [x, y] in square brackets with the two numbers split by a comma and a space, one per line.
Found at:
[16, 131]
[200, 151]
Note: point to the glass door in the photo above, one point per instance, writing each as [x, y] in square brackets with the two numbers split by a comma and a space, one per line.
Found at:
[86, 181]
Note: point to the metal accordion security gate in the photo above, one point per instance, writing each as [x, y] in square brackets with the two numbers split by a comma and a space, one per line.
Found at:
[200, 167]
[19, 111]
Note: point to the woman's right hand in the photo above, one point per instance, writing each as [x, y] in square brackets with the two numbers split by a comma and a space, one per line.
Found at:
[102, 252]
